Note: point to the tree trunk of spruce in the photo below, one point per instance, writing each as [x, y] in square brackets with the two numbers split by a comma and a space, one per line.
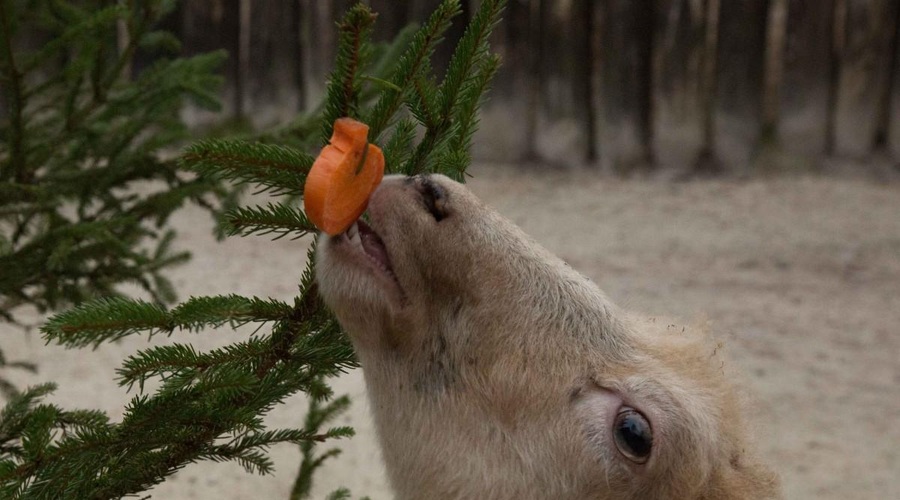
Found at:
[707, 160]
[535, 81]
[838, 40]
[885, 98]
[645, 28]
[773, 71]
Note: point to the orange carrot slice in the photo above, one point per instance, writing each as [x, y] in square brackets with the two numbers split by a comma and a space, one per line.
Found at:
[342, 178]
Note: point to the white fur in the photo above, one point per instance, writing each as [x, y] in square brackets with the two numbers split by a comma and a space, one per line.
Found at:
[495, 370]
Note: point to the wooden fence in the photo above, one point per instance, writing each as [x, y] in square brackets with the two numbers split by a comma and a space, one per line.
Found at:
[623, 83]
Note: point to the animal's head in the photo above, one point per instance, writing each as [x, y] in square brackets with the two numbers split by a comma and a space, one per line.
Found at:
[456, 312]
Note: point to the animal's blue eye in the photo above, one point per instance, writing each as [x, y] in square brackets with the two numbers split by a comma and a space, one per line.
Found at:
[633, 435]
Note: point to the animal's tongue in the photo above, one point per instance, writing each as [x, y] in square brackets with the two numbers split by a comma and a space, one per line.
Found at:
[372, 244]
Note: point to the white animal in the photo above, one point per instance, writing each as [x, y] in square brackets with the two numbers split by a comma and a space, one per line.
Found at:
[495, 371]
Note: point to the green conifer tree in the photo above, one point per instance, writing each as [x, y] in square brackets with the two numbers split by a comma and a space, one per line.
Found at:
[79, 136]
[80, 141]
[210, 405]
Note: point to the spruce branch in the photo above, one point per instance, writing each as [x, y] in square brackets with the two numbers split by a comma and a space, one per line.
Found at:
[180, 358]
[466, 114]
[318, 414]
[207, 405]
[278, 219]
[253, 461]
[338, 494]
[412, 65]
[471, 50]
[12, 417]
[301, 131]
[74, 225]
[110, 319]
[385, 56]
[177, 426]
[422, 102]
[202, 312]
[105, 320]
[342, 93]
[277, 169]
[399, 146]
[7, 389]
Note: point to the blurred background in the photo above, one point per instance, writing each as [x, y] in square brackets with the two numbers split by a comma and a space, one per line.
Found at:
[783, 113]
[626, 85]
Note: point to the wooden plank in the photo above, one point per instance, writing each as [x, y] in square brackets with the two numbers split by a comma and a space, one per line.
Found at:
[807, 66]
[392, 17]
[893, 107]
[208, 25]
[628, 40]
[585, 76]
[319, 43]
[741, 56]
[884, 124]
[500, 138]
[631, 74]
[708, 158]
[536, 80]
[679, 68]
[272, 61]
[862, 74]
[773, 72]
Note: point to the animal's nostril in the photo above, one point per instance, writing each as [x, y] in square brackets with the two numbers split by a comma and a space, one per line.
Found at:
[434, 197]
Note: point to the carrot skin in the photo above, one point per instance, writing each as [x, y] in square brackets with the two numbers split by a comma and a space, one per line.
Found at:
[342, 178]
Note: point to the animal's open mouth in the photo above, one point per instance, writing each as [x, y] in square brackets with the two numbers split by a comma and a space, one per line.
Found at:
[366, 243]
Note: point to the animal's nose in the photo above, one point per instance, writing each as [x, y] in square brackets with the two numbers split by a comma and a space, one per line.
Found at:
[434, 196]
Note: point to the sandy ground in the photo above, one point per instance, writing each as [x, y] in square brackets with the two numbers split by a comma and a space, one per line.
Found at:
[800, 277]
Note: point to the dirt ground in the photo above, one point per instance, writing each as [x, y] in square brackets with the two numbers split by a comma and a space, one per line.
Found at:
[800, 276]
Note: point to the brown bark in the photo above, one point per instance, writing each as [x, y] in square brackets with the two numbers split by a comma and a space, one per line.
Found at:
[583, 73]
[212, 25]
[535, 81]
[645, 29]
[592, 153]
[773, 70]
[273, 60]
[838, 41]
[707, 160]
[885, 98]
[242, 79]
[511, 40]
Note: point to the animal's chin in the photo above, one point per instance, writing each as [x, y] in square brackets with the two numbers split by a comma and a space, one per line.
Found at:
[362, 249]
